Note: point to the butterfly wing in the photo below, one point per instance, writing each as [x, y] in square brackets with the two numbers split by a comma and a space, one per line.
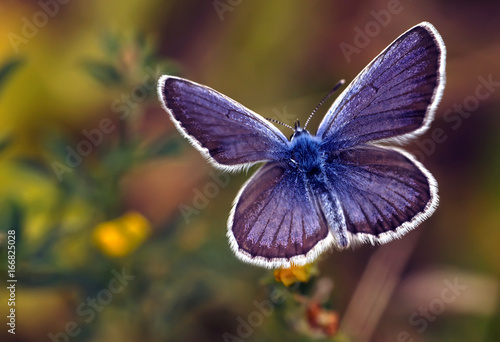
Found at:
[274, 223]
[395, 96]
[384, 192]
[227, 133]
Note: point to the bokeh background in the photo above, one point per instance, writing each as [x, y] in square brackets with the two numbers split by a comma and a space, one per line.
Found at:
[120, 224]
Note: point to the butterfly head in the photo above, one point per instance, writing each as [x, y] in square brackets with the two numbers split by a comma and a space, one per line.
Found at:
[298, 131]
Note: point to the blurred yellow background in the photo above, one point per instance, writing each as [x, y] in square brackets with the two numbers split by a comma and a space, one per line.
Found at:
[110, 203]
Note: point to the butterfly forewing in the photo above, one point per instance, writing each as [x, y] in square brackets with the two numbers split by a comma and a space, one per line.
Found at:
[395, 96]
[226, 132]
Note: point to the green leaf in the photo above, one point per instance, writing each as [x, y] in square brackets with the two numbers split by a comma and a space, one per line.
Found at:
[56, 145]
[103, 72]
[7, 69]
[13, 220]
[118, 160]
[5, 143]
[33, 165]
[111, 44]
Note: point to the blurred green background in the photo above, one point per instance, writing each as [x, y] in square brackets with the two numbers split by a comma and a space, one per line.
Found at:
[120, 224]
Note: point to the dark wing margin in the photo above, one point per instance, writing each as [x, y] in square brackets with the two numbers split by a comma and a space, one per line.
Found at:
[394, 98]
[229, 135]
[384, 191]
[273, 222]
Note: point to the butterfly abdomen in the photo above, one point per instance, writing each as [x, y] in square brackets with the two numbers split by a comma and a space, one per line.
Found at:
[328, 209]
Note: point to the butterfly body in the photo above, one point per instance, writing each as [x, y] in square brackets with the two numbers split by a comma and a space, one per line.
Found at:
[339, 187]
[308, 162]
[305, 154]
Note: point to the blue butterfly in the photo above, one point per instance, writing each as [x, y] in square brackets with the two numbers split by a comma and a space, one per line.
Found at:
[341, 187]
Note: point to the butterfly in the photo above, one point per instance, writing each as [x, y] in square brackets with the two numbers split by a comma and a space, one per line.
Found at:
[341, 187]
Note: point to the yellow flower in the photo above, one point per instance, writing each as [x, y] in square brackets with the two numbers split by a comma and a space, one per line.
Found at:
[291, 275]
[121, 236]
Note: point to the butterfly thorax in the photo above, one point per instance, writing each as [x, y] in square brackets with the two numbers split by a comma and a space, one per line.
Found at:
[305, 153]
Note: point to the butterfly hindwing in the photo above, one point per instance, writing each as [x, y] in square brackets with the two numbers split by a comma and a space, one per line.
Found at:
[384, 192]
[227, 133]
[274, 223]
[395, 96]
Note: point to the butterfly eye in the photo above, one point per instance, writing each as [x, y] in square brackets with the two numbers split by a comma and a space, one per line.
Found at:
[299, 132]
[297, 125]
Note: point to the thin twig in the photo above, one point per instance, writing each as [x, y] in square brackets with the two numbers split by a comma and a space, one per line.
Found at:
[376, 287]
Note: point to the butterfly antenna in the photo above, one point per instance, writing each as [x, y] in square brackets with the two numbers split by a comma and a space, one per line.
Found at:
[323, 101]
[281, 123]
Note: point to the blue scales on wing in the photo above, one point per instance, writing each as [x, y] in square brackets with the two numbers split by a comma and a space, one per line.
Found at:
[274, 220]
[226, 132]
[384, 192]
[395, 96]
